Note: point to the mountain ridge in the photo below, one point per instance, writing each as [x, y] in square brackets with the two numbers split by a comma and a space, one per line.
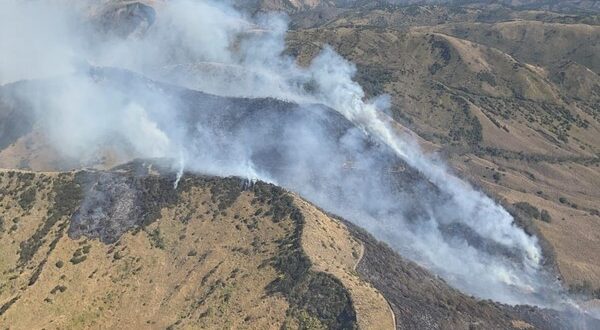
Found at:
[169, 229]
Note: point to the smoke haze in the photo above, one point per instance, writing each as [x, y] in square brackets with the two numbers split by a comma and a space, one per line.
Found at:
[308, 129]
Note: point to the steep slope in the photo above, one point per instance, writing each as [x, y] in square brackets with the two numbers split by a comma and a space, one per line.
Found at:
[535, 42]
[450, 89]
[88, 248]
[522, 126]
[83, 249]
[503, 6]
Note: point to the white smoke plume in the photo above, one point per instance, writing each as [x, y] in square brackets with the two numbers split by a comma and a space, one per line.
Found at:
[209, 46]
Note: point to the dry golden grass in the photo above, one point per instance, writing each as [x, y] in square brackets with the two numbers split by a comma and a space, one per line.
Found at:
[210, 272]
[573, 233]
[196, 266]
[333, 250]
[505, 76]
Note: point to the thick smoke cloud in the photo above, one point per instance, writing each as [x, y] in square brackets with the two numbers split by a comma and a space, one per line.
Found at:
[352, 170]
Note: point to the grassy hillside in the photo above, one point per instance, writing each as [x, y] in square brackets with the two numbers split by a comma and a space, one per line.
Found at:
[508, 94]
[212, 254]
[510, 100]
[124, 249]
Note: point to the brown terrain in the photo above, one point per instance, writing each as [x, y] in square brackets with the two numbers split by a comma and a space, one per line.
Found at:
[510, 98]
[122, 248]
[508, 94]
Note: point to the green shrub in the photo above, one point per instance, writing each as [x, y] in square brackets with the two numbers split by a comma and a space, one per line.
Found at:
[27, 199]
[57, 288]
[496, 176]
[156, 239]
[76, 260]
[545, 216]
[528, 209]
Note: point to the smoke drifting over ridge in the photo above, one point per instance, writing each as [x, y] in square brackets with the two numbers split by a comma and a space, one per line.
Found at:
[308, 129]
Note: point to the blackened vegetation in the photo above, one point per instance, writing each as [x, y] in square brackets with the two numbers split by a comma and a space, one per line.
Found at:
[420, 300]
[116, 202]
[312, 295]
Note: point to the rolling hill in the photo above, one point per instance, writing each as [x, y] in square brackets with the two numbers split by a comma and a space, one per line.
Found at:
[124, 248]
[507, 93]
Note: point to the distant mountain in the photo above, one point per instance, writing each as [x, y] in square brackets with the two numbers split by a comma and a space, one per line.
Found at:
[303, 5]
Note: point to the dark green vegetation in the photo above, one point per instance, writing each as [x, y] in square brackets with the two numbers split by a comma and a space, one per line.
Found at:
[315, 297]
[67, 195]
[27, 198]
[316, 300]
[7, 305]
[533, 211]
[489, 85]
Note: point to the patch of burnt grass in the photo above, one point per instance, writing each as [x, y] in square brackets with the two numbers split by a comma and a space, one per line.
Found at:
[117, 202]
[313, 296]
[130, 198]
